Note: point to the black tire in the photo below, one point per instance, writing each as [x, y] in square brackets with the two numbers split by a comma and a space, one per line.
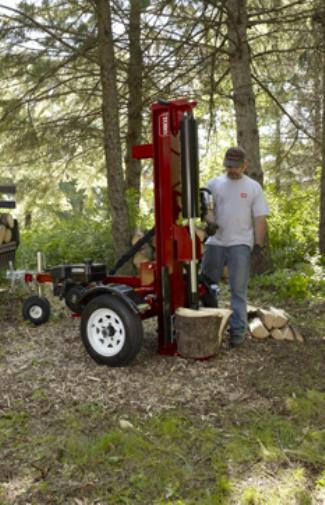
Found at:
[71, 297]
[36, 309]
[110, 331]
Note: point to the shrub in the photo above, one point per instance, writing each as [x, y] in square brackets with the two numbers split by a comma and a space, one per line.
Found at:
[293, 225]
[69, 240]
[299, 284]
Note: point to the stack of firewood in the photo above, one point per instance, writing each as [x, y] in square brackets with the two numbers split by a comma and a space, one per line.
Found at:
[6, 226]
[273, 322]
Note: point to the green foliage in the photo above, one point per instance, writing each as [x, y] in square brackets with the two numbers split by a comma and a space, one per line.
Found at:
[293, 235]
[66, 240]
[74, 196]
[293, 225]
[299, 284]
[74, 234]
[320, 482]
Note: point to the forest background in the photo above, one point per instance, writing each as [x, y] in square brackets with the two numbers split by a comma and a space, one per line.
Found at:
[77, 80]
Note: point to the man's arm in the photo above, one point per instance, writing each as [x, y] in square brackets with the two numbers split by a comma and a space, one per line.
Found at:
[260, 227]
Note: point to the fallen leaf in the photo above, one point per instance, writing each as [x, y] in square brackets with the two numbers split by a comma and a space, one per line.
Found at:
[126, 425]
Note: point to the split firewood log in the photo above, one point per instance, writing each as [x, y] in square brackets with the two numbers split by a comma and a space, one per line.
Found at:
[288, 333]
[298, 336]
[8, 236]
[257, 328]
[139, 258]
[280, 317]
[277, 334]
[7, 220]
[267, 317]
[136, 236]
[146, 249]
[199, 332]
[2, 233]
[251, 310]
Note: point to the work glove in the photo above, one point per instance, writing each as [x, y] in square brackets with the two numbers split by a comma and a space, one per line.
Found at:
[211, 228]
[258, 259]
[258, 251]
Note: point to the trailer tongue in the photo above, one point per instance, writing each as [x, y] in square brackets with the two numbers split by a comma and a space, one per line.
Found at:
[111, 305]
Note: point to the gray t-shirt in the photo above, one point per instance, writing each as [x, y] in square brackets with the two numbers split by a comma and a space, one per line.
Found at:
[237, 202]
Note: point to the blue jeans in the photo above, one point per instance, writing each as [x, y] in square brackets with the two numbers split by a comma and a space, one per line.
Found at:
[237, 259]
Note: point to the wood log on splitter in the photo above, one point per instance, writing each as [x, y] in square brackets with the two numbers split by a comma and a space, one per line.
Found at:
[199, 332]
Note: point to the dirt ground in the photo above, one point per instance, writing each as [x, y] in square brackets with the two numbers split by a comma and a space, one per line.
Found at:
[50, 363]
[52, 357]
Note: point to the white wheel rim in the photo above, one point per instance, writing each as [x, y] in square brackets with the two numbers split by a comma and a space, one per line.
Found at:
[106, 332]
[36, 311]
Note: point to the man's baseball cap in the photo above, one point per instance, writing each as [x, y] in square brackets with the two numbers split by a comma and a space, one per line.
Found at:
[234, 157]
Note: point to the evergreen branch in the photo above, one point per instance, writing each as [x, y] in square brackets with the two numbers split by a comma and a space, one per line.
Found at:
[284, 51]
[289, 116]
[48, 30]
[277, 10]
[24, 99]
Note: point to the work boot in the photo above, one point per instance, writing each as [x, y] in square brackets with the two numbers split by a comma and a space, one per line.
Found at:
[236, 340]
[210, 299]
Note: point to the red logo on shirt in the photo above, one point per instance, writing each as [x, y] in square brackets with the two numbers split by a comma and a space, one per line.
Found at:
[243, 195]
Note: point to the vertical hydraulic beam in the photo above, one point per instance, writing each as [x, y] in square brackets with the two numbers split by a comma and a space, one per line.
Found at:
[163, 223]
[190, 194]
[170, 282]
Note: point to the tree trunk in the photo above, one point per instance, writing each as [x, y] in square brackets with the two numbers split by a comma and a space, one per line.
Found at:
[111, 124]
[317, 92]
[243, 95]
[134, 132]
[317, 116]
[244, 99]
[322, 183]
[278, 153]
[320, 18]
[28, 219]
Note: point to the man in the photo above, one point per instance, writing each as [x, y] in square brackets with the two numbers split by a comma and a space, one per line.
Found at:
[240, 212]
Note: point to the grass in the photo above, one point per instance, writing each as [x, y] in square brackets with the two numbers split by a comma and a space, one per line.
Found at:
[174, 458]
[12, 423]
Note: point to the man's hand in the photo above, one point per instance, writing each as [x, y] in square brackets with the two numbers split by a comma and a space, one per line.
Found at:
[258, 253]
[211, 228]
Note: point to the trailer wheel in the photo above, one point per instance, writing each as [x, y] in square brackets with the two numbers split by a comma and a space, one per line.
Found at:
[36, 309]
[111, 332]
